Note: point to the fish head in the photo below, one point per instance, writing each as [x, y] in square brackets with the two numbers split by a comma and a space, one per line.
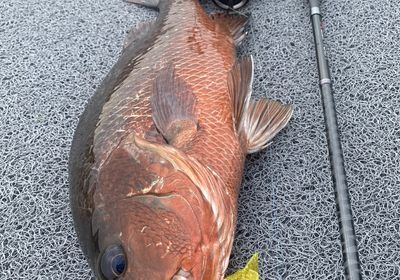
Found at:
[146, 237]
[146, 221]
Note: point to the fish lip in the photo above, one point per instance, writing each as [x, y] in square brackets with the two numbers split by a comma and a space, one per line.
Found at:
[182, 275]
[226, 7]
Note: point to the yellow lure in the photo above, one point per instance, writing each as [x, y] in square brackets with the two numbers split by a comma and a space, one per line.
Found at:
[249, 272]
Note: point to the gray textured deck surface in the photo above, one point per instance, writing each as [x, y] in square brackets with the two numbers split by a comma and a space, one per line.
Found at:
[54, 53]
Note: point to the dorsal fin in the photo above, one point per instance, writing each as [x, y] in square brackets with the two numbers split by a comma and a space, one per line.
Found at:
[236, 25]
[173, 108]
[257, 121]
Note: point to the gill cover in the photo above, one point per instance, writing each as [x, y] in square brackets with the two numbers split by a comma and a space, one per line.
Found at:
[213, 192]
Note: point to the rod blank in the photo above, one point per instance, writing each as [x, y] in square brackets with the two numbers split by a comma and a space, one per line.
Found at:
[347, 233]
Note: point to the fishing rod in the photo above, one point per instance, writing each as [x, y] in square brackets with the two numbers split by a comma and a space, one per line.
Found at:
[347, 233]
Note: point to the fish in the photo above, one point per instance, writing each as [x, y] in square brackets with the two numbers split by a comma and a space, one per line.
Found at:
[158, 155]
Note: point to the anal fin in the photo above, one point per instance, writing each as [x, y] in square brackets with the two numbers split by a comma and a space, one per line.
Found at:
[256, 121]
[240, 82]
[173, 108]
[236, 25]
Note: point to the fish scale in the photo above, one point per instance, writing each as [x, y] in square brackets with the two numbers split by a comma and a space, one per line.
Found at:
[213, 103]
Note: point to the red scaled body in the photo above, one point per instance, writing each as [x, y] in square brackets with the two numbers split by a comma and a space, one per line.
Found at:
[157, 158]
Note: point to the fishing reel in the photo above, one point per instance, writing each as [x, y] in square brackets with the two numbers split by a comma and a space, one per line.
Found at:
[230, 4]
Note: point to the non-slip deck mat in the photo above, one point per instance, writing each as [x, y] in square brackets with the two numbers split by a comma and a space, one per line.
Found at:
[53, 55]
[363, 39]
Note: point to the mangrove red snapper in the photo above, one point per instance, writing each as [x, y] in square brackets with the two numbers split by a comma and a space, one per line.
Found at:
[158, 155]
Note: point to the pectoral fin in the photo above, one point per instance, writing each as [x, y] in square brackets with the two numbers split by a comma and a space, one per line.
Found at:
[173, 108]
[256, 121]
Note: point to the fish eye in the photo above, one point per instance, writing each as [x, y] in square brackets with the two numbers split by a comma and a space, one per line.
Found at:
[113, 262]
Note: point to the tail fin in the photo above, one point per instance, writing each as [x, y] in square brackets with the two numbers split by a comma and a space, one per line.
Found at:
[148, 3]
[262, 121]
[258, 121]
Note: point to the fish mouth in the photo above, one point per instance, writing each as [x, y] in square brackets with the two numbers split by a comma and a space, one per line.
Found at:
[230, 4]
[182, 275]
